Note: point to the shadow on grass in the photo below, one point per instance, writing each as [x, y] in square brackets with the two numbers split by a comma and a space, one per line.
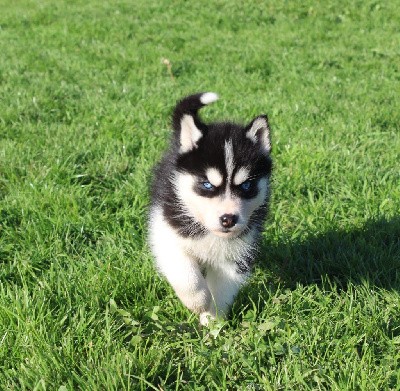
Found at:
[371, 253]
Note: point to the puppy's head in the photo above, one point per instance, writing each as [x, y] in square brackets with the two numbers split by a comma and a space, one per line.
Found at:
[222, 172]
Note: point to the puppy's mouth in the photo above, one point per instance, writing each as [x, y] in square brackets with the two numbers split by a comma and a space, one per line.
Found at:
[228, 232]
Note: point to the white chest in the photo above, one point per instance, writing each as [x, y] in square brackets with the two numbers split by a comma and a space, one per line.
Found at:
[218, 251]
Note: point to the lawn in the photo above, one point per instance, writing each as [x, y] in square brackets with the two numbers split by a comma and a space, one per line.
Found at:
[86, 92]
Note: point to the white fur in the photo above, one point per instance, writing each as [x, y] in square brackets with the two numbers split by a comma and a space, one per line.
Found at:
[229, 160]
[241, 175]
[214, 176]
[181, 260]
[190, 134]
[208, 97]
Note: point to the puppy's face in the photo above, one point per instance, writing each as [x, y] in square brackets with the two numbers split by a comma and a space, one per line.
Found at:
[223, 208]
[224, 179]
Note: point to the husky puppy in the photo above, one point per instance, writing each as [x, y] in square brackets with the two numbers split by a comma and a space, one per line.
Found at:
[209, 201]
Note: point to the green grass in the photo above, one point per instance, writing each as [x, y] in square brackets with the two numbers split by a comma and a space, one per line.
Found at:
[84, 114]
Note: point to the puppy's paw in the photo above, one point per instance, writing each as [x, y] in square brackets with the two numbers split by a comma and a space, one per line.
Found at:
[206, 317]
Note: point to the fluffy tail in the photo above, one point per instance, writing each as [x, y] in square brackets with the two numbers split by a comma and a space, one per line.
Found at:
[190, 106]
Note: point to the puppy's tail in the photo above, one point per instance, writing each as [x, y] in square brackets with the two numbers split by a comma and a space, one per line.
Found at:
[190, 106]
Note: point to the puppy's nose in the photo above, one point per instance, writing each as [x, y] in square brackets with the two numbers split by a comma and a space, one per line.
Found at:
[228, 221]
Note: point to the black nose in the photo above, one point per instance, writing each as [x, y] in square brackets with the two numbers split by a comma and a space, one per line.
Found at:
[228, 221]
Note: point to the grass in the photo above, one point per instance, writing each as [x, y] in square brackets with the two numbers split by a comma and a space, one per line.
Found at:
[85, 101]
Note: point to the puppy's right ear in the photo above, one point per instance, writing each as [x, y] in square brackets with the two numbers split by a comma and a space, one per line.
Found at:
[188, 127]
[258, 132]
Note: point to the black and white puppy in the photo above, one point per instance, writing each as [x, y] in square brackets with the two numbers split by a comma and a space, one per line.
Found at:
[209, 201]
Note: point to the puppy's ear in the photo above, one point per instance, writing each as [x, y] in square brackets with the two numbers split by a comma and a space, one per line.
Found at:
[187, 125]
[190, 134]
[258, 132]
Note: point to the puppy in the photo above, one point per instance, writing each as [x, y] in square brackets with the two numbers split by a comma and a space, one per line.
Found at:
[209, 201]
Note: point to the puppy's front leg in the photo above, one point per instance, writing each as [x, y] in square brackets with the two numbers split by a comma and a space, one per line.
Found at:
[224, 284]
[184, 275]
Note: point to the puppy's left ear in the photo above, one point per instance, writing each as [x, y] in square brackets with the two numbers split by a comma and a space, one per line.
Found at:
[258, 132]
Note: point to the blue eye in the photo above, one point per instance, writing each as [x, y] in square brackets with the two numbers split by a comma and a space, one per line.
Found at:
[207, 185]
[245, 185]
